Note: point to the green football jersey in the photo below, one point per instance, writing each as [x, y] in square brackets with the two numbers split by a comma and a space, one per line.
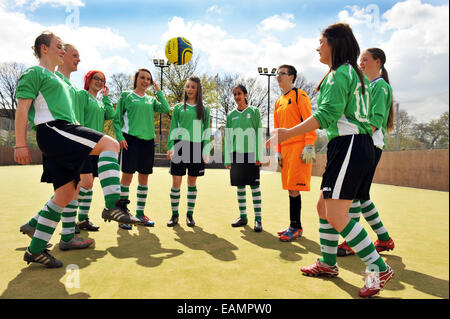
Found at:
[50, 94]
[73, 94]
[342, 109]
[187, 127]
[243, 133]
[94, 112]
[380, 104]
[135, 114]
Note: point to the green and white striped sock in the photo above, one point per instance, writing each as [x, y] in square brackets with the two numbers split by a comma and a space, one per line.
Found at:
[69, 216]
[256, 195]
[142, 191]
[108, 174]
[355, 210]
[49, 218]
[357, 238]
[33, 221]
[124, 191]
[191, 197]
[242, 201]
[174, 200]
[84, 203]
[372, 217]
[329, 239]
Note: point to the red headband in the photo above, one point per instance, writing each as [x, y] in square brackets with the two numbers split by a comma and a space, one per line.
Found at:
[88, 78]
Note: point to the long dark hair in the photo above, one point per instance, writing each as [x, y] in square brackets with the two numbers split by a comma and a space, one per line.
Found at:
[243, 89]
[198, 99]
[378, 54]
[344, 49]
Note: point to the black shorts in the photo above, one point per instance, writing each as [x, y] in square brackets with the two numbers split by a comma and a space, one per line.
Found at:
[187, 156]
[139, 157]
[65, 147]
[91, 166]
[350, 162]
[378, 152]
[243, 170]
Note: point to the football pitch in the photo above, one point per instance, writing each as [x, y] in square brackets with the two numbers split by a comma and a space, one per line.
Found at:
[213, 260]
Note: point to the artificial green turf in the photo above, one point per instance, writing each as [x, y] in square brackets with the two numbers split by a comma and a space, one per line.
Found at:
[214, 260]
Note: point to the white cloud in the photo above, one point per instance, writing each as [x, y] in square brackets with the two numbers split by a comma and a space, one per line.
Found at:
[278, 23]
[418, 53]
[415, 37]
[152, 51]
[215, 8]
[227, 53]
[34, 4]
[369, 16]
[99, 47]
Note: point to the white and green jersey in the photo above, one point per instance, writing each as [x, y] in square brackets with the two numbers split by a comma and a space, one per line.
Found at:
[342, 108]
[73, 94]
[380, 104]
[243, 133]
[186, 126]
[50, 94]
[135, 114]
[93, 112]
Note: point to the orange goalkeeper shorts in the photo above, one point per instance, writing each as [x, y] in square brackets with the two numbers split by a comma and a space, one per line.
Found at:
[295, 175]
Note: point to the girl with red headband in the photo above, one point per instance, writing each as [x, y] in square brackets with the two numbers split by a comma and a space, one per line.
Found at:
[92, 114]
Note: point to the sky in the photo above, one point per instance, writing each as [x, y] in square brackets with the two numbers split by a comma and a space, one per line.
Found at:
[238, 36]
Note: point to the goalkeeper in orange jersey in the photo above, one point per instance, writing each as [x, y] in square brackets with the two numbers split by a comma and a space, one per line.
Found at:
[295, 156]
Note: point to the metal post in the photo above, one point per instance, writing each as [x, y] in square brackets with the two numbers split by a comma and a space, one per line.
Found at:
[159, 63]
[268, 106]
[160, 115]
[397, 116]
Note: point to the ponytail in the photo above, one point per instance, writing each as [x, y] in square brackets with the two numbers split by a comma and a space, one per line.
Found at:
[378, 54]
[390, 120]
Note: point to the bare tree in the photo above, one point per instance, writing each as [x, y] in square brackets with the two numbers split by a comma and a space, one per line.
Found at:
[119, 82]
[175, 77]
[309, 87]
[10, 73]
[257, 94]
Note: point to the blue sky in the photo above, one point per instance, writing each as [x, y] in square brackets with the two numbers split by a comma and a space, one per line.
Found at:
[237, 36]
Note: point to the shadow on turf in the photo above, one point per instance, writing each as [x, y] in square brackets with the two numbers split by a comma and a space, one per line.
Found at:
[36, 281]
[144, 246]
[198, 239]
[425, 283]
[288, 251]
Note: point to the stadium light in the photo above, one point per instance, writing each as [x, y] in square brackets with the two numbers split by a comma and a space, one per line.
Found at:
[266, 73]
[159, 63]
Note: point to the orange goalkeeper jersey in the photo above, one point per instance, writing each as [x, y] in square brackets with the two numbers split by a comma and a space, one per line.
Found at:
[291, 109]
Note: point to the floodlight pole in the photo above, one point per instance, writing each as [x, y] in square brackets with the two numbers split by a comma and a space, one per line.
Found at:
[159, 63]
[264, 71]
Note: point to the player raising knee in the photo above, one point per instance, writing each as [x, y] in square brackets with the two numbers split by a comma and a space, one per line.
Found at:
[44, 100]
